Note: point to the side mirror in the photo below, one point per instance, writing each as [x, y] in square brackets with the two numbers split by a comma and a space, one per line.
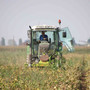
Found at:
[29, 33]
[72, 42]
[64, 35]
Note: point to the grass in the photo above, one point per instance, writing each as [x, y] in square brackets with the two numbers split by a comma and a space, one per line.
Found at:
[15, 75]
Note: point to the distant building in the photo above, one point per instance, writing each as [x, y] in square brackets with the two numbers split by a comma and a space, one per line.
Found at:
[20, 41]
[12, 42]
[2, 42]
[25, 42]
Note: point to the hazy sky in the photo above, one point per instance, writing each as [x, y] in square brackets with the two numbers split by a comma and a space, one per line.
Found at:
[17, 15]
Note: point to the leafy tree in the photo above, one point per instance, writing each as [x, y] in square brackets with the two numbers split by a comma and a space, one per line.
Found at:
[2, 41]
[20, 41]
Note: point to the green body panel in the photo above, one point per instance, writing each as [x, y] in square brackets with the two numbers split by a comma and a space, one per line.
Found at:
[32, 45]
[60, 48]
[28, 50]
[56, 39]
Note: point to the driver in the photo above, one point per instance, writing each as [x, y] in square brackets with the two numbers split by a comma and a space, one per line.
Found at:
[43, 37]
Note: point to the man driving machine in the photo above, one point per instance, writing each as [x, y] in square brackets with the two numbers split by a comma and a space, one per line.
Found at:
[43, 37]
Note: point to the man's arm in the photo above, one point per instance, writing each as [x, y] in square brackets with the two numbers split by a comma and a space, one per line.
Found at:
[46, 37]
[40, 37]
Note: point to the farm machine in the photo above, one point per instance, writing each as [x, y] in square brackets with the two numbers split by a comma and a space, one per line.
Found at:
[46, 52]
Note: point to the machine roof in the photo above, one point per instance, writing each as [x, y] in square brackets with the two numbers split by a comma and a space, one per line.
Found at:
[44, 28]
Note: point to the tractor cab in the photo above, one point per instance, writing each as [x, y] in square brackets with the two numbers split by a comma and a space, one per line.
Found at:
[41, 51]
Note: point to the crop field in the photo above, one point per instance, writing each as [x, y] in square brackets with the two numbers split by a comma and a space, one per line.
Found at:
[74, 74]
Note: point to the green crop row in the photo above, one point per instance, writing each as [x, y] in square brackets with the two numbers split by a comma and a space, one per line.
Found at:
[16, 75]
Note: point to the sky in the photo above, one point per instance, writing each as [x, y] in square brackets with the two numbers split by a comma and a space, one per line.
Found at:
[17, 15]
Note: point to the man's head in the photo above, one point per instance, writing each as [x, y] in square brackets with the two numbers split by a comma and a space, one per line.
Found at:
[43, 33]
